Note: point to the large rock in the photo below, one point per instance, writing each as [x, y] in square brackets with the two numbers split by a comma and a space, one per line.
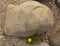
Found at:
[27, 19]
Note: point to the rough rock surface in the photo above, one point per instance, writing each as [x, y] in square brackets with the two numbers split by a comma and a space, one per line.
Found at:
[15, 42]
[27, 18]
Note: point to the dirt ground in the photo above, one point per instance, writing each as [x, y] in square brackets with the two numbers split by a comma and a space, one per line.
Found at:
[52, 37]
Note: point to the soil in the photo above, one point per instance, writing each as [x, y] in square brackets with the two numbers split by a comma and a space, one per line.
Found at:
[52, 37]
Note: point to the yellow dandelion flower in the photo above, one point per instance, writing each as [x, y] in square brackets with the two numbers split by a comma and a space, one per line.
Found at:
[29, 40]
